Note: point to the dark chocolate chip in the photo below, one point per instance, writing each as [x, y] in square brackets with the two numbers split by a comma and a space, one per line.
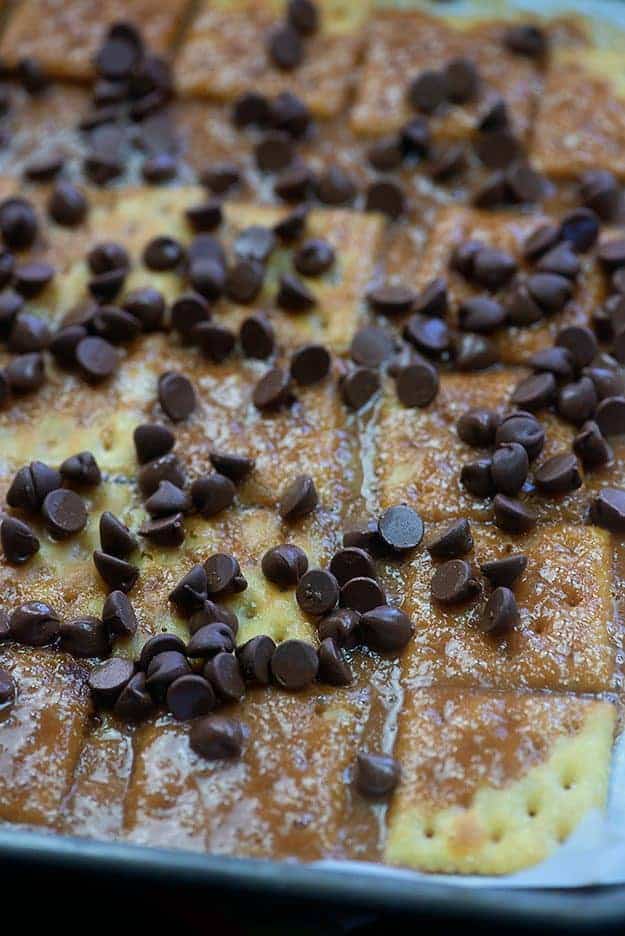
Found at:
[362, 594]
[117, 573]
[85, 636]
[513, 515]
[580, 228]
[352, 562]
[590, 446]
[190, 592]
[232, 465]
[223, 575]
[358, 386]
[284, 48]
[284, 565]
[190, 696]
[294, 664]
[310, 364]
[386, 197]
[400, 528]
[163, 669]
[216, 737]
[148, 306]
[535, 392]
[317, 592]
[504, 572]
[557, 361]
[165, 468]
[257, 337]
[163, 253]
[212, 494]
[31, 485]
[255, 659]
[19, 543]
[577, 401]
[335, 187]
[64, 512]
[386, 629]
[152, 441]
[523, 428]
[558, 475]
[417, 384]
[610, 415]
[333, 669]
[81, 469]
[477, 479]
[211, 639]
[274, 152]
[477, 427]
[500, 614]
[96, 357]
[428, 91]
[223, 673]
[293, 295]
[107, 681]
[68, 204]
[580, 342]
[453, 582]
[34, 624]
[607, 509]
[452, 542]
[118, 615]
[377, 775]
[176, 395]
[164, 531]
[481, 314]
[115, 537]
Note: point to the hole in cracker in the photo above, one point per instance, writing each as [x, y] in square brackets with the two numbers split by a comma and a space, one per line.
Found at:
[429, 832]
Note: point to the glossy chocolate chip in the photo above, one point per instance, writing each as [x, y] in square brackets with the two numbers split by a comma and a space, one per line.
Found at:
[477, 427]
[386, 197]
[232, 465]
[117, 573]
[188, 311]
[476, 477]
[167, 499]
[527, 39]
[31, 485]
[558, 475]
[96, 357]
[542, 239]
[386, 154]
[500, 614]
[580, 228]
[474, 353]
[341, 625]
[190, 592]
[163, 253]
[509, 468]
[452, 542]
[549, 290]
[68, 204]
[30, 279]
[223, 673]
[115, 537]
[223, 575]
[206, 216]
[333, 669]
[190, 696]
[299, 498]
[176, 395]
[498, 149]
[284, 565]
[164, 531]
[293, 295]
[577, 401]
[19, 543]
[163, 669]
[310, 364]
[580, 342]
[481, 314]
[350, 563]
[417, 384]
[255, 659]
[160, 643]
[607, 509]
[560, 260]
[118, 615]
[535, 392]
[610, 415]
[294, 664]
[317, 592]
[147, 305]
[18, 223]
[273, 390]
[362, 594]
[64, 512]
[8, 689]
[152, 440]
[257, 337]
[513, 515]
[335, 187]
[431, 336]
[377, 775]
[216, 737]
[211, 639]
[453, 582]
[28, 333]
[557, 361]
[245, 281]
[85, 636]
[165, 468]
[523, 428]
[386, 629]
[81, 469]
[400, 528]
[504, 572]
[358, 386]
[107, 681]
[590, 446]
[428, 91]
[284, 48]
[212, 494]
[372, 346]
[134, 703]
[34, 624]
[492, 267]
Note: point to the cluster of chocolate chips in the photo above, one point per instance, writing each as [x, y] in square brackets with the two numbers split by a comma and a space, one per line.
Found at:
[455, 581]
[286, 42]
[37, 489]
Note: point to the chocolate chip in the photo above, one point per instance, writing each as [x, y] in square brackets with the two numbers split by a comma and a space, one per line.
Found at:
[577, 401]
[558, 475]
[481, 314]
[350, 563]
[223, 575]
[358, 386]
[560, 260]
[255, 658]
[108, 680]
[34, 624]
[377, 775]
[453, 541]
[504, 572]
[293, 295]
[160, 643]
[386, 154]
[428, 91]
[284, 565]
[317, 592]
[580, 228]
[29, 280]
[284, 48]
[134, 703]
[498, 149]
[590, 446]
[274, 152]
[477, 427]
[611, 253]
[7, 689]
[608, 382]
[333, 669]
[526, 185]
[163, 253]
[526, 39]
[190, 696]
[294, 183]
[148, 306]
[273, 390]
[417, 384]
[115, 537]
[535, 392]
[448, 161]
[81, 469]
[493, 193]
[257, 337]
[391, 299]
[386, 629]
[386, 197]
[164, 531]
[205, 216]
[245, 281]
[217, 342]
[190, 592]
[299, 498]
[372, 346]
[152, 440]
[212, 494]
[211, 639]
[44, 167]
[542, 239]
[513, 515]
[117, 573]
[476, 478]
[67, 205]
[118, 615]
[85, 637]
[64, 512]
[163, 669]
[216, 737]
[294, 664]
[303, 15]
[289, 228]
[251, 108]
[310, 364]
[549, 290]
[557, 361]
[31, 485]
[341, 625]
[523, 428]
[362, 594]
[453, 582]
[610, 415]
[474, 353]
[234, 466]
[415, 137]
[607, 509]
[165, 468]
[188, 311]
[19, 543]
[162, 167]
[176, 395]
[224, 675]
[492, 268]
[580, 342]
[11, 304]
[290, 113]
[18, 223]
[120, 53]
[500, 614]
[401, 528]
[314, 257]
[96, 357]
[334, 187]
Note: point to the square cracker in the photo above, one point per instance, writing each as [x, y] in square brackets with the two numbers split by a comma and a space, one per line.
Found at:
[492, 783]
[286, 795]
[580, 123]
[135, 216]
[401, 44]
[566, 639]
[64, 37]
[419, 455]
[41, 733]
[224, 53]
[507, 231]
